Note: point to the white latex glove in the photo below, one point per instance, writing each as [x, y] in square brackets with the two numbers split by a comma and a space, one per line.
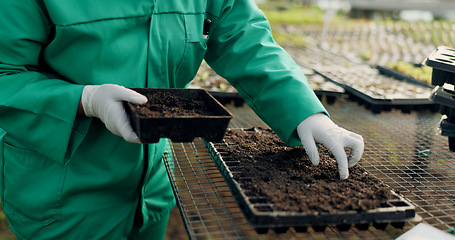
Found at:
[318, 128]
[105, 102]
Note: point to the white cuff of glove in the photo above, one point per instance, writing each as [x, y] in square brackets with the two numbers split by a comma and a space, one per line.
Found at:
[86, 99]
[106, 103]
[318, 128]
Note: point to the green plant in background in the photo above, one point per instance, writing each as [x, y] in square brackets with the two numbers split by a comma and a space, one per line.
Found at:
[298, 16]
[294, 15]
[289, 39]
[366, 55]
[419, 73]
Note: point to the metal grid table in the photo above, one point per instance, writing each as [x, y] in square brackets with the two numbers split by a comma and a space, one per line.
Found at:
[405, 151]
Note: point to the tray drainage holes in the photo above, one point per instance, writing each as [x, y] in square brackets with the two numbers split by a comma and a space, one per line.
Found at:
[343, 227]
[262, 230]
[301, 229]
[362, 226]
[398, 225]
[319, 228]
[280, 230]
[380, 226]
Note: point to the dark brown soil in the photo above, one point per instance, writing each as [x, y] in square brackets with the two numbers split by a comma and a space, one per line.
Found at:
[163, 104]
[5, 232]
[287, 178]
[175, 228]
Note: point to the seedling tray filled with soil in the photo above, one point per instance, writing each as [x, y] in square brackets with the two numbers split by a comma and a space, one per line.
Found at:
[178, 114]
[277, 187]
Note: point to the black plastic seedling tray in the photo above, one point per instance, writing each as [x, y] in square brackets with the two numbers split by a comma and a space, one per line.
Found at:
[393, 73]
[181, 128]
[405, 102]
[396, 214]
[233, 97]
[322, 87]
[228, 97]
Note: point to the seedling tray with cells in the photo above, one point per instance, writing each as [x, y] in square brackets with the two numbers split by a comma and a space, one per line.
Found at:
[277, 187]
[178, 114]
[322, 87]
[225, 93]
[414, 73]
[380, 91]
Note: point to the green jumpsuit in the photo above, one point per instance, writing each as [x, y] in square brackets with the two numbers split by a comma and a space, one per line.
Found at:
[69, 178]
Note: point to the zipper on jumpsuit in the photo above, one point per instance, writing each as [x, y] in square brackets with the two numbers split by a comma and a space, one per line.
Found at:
[148, 46]
[139, 216]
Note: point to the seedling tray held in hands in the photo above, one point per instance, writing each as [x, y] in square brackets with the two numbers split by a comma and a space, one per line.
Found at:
[178, 114]
[277, 188]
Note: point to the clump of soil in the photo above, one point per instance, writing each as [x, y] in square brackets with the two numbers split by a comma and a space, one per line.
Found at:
[290, 182]
[164, 104]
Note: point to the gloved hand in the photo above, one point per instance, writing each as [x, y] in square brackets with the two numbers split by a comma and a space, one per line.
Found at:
[105, 102]
[318, 128]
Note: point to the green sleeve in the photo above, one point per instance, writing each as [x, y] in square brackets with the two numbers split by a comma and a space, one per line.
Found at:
[242, 50]
[36, 110]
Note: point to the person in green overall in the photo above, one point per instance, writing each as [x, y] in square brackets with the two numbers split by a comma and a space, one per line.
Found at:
[71, 166]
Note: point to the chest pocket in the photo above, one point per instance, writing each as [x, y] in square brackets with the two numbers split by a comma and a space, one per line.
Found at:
[194, 51]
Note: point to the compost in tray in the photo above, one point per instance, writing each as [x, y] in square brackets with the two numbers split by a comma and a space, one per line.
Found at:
[278, 186]
[178, 114]
[166, 104]
[287, 178]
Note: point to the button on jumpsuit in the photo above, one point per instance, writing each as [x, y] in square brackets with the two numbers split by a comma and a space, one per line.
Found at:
[68, 178]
